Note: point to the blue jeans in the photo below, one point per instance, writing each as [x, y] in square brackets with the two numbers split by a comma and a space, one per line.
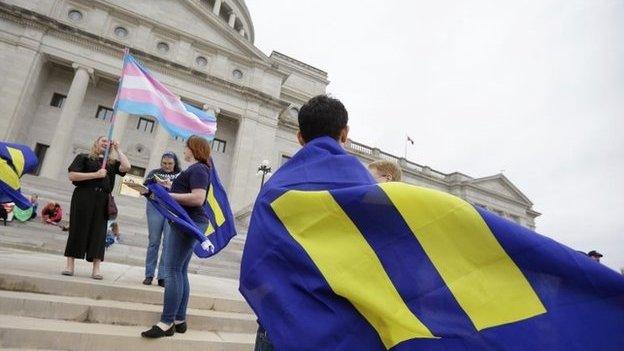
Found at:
[178, 251]
[156, 225]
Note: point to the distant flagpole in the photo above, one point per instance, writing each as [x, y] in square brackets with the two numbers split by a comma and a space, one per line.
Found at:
[405, 153]
[112, 124]
[407, 140]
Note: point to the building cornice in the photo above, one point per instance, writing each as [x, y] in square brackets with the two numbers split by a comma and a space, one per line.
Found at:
[493, 193]
[107, 46]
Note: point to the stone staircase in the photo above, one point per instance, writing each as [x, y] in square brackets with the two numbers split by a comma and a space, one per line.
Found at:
[40, 309]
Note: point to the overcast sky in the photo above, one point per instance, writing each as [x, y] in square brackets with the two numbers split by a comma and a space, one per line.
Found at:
[534, 89]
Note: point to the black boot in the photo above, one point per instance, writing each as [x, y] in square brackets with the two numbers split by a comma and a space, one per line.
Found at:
[180, 328]
[156, 332]
[147, 281]
[161, 282]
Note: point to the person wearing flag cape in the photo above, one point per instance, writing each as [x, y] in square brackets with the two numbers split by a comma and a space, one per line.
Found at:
[334, 260]
[189, 189]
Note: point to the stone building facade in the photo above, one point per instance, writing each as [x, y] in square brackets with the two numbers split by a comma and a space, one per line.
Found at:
[61, 60]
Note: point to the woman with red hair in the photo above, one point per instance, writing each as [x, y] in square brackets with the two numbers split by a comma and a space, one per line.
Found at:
[189, 189]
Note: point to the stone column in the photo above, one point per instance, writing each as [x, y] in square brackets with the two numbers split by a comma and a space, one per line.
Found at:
[217, 7]
[232, 19]
[255, 141]
[159, 146]
[121, 120]
[242, 31]
[62, 139]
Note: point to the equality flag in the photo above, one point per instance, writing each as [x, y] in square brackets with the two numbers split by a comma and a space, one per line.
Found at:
[15, 160]
[221, 226]
[141, 94]
[333, 261]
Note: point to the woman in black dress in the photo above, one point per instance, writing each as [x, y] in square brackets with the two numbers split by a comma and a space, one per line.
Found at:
[89, 203]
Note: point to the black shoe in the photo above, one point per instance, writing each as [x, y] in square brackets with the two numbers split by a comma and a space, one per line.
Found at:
[180, 328]
[148, 281]
[156, 332]
[161, 282]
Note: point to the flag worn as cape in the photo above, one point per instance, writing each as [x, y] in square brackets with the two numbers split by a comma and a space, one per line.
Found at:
[15, 160]
[221, 226]
[333, 261]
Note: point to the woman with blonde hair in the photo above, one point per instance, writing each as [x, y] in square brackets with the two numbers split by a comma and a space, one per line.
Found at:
[89, 203]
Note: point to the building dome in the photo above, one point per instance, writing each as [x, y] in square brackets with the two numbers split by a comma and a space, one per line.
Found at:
[235, 14]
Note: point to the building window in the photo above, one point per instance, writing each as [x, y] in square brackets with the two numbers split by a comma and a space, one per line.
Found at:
[40, 151]
[104, 113]
[516, 219]
[74, 15]
[121, 32]
[162, 47]
[58, 100]
[237, 74]
[218, 145]
[284, 159]
[201, 61]
[145, 125]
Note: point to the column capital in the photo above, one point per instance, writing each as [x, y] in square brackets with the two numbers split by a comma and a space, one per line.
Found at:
[79, 66]
[210, 107]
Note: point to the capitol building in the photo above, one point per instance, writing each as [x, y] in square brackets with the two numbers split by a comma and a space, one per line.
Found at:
[61, 61]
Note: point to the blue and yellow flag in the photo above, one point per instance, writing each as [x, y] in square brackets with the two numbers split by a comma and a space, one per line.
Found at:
[221, 226]
[334, 261]
[15, 160]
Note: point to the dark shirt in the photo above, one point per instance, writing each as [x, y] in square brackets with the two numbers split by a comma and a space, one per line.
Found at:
[162, 174]
[197, 176]
[85, 164]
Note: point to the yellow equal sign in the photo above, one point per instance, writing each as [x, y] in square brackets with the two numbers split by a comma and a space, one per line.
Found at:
[487, 284]
[348, 263]
[214, 205]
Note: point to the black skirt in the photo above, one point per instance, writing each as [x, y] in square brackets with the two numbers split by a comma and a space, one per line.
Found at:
[87, 224]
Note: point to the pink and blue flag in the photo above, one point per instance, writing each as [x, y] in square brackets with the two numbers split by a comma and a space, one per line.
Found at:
[142, 94]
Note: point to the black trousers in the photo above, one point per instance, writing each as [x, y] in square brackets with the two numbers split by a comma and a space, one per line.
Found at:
[87, 224]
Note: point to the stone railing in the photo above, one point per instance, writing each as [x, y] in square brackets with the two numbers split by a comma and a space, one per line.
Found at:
[374, 153]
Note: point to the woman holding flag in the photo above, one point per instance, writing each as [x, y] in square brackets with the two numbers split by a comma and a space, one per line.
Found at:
[89, 204]
[189, 189]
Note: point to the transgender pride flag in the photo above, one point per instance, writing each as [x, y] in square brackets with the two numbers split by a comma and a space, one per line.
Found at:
[141, 94]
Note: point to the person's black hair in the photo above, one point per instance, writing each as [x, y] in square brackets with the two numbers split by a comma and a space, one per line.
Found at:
[176, 163]
[322, 116]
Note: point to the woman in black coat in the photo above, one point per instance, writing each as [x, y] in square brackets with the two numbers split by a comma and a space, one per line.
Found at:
[89, 203]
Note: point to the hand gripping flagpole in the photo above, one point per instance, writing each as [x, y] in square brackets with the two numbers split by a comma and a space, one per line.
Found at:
[110, 129]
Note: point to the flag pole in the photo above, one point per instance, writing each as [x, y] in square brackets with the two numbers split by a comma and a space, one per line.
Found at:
[405, 154]
[112, 124]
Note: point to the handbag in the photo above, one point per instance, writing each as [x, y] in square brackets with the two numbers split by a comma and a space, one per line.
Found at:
[112, 207]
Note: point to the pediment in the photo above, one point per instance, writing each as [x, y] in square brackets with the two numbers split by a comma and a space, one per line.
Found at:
[501, 185]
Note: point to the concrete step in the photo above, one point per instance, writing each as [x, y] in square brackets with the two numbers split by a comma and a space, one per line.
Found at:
[27, 332]
[132, 250]
[115, 312]
[24, 281]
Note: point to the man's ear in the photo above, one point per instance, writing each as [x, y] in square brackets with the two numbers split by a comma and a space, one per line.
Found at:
[344, 134]
[300, 138]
